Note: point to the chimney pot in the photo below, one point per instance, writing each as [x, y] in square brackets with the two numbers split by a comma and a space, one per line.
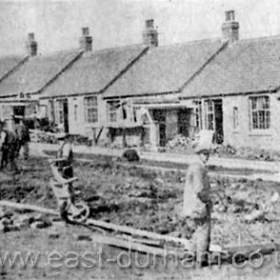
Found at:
[31, 36]
[230, 15]
[85, 31]
[149, 23]
[150, 34]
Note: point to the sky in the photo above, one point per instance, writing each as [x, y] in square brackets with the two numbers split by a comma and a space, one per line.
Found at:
[57, 24]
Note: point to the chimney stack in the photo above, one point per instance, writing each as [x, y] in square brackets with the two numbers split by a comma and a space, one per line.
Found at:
[150, 34]
[230, 28]
[86, 40]
[31, 45]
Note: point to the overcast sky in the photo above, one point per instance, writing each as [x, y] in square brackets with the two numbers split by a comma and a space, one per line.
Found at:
[57, 24]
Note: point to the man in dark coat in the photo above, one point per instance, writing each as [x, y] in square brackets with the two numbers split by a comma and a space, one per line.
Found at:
[8, 143]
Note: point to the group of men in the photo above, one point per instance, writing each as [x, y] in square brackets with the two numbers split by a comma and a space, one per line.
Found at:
[12, 141]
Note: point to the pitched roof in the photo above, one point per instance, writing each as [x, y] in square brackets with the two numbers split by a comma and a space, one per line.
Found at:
[164, 69]
[245, 66]
[94, 71]
[35, 73]
[8, 63]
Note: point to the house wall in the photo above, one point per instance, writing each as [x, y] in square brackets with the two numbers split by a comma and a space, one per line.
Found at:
[76, 116]
[244, 136]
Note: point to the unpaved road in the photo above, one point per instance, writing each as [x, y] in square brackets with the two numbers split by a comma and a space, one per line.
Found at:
[143, 199]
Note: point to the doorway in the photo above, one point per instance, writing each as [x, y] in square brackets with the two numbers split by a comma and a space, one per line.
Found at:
[185, 122]
[214, 119]
[219, 131]
[160, 117]
[65, 115]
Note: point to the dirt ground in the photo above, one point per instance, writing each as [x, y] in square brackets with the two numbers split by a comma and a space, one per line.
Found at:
[244, 212]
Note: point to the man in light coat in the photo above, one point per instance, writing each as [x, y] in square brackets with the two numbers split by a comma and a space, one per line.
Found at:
[197, 203]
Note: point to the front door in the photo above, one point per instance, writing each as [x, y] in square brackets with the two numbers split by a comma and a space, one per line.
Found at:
[65, 115]
[219, 132]
[214, 118]
[160, 117]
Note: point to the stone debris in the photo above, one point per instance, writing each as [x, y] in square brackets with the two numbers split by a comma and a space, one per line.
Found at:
[53, 233]
[83, 237]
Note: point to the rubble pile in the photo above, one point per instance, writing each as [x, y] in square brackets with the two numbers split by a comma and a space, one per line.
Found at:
[15, 221]
[180, 143]
[39, 136]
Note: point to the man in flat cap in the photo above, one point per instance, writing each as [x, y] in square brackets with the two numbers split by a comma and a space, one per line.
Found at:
[197, 203]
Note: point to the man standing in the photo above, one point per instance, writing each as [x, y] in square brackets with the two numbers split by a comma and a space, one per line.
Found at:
[65, 156]
[22, 132]
[8, 143]
[197, 203]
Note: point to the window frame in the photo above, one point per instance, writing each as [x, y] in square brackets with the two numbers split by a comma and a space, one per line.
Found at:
[112, 111]
[209, 111]
[260, 113]
[235, 118]
[91, 109]
[60, 111]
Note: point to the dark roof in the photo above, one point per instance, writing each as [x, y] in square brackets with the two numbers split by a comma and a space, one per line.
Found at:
[164, 69]
[8, 63]
[245, 66]
[35, 73]
[94, 71]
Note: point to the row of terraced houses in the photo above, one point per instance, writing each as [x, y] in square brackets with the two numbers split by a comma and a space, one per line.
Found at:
[150, 92]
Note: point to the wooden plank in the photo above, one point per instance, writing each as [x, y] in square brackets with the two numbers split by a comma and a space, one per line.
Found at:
[244, 249]
[101, 224]
[98, 135]
[132, 246]
[156, 243]
[20, 206]
[140, 233]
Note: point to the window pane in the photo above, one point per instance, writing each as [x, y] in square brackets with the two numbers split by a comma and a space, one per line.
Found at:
[91, 109]
[260, 112]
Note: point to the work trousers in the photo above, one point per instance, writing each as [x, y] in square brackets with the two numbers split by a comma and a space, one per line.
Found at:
[198, 230]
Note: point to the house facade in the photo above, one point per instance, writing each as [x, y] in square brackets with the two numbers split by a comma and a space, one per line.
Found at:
[75, 99]
[239, 93]
[147, 94]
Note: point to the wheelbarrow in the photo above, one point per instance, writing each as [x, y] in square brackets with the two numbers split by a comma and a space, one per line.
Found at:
[71, 208]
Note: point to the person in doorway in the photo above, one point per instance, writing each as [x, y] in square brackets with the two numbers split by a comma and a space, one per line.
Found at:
[23, 135]
[8, 144]
[197, 204]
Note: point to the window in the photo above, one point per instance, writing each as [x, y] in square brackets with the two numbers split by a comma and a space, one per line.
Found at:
[197, 115]
[112, 111]
[260, 112]
[60, 111]
[91, 109]
[235, 118]
[51, 110]
[209, 114]
[76, 112]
